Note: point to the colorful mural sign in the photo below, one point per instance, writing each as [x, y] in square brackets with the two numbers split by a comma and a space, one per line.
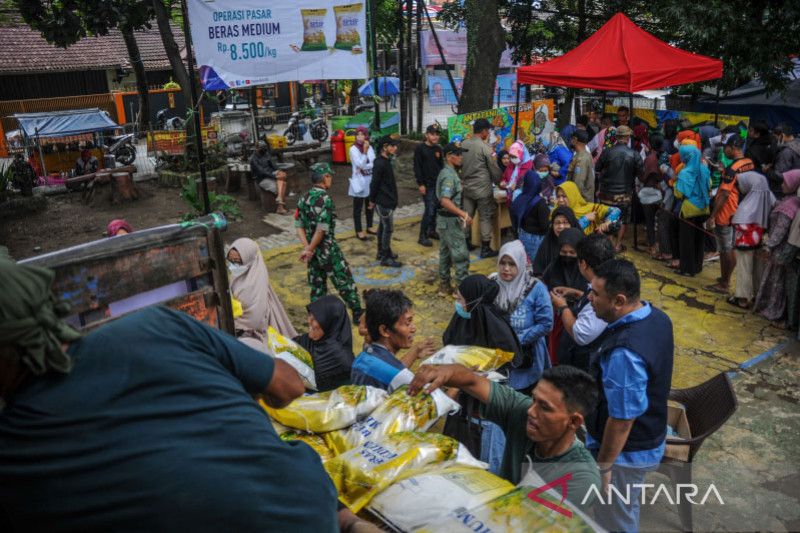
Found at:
[536, 119]
[656, 117]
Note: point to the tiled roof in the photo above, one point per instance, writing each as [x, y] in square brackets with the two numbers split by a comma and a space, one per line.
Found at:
[24, 50]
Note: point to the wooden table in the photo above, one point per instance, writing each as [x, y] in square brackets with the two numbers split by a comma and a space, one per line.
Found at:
[502, 220]
[123, 189]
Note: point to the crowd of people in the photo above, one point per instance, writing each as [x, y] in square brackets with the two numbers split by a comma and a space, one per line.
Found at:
[146, 442]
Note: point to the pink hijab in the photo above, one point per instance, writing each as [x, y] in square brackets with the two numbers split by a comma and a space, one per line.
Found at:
[791, 202]
[117, 224]
[260, 305]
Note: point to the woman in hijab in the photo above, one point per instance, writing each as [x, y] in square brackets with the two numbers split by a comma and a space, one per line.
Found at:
[564, 272]
[591, 217]
[479, 322]
[529, 213]
[362, 156]
[329, 341]
[118, 227]
[503, 160]
[260, 305]
[519, 163]
[749, 223]
[560, 219]
[693, 189]
[530, 311]
[780, 273]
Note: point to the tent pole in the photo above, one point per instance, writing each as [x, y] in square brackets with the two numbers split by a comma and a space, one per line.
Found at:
[41, 155]
[630, 106]
[516, 114]
[603, 105]
[635, 225]
[198, 132]
[716, 108]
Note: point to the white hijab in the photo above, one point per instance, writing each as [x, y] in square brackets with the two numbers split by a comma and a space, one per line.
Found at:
[260, 305]
[511, 292]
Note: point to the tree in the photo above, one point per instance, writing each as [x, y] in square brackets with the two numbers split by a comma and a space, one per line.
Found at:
[64, 23]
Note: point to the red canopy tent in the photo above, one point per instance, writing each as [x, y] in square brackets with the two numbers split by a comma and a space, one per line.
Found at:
[621, 56]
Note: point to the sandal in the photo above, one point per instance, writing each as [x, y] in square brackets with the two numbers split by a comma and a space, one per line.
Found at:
[716, 287]
[372, 231]
[621, 248]
[733, 300]
[362, 237]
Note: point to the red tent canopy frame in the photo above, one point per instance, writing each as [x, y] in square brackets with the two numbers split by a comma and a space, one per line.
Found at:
[621, 56]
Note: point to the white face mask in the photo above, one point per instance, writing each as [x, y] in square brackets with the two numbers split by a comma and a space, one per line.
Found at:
[235, 269]
[515, 160]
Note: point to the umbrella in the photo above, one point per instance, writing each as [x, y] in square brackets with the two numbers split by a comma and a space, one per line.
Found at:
[387, 86]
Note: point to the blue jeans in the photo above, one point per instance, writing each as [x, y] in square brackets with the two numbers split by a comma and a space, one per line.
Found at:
[493, 444]
[531, 242]
[428, 223]
[616, 515]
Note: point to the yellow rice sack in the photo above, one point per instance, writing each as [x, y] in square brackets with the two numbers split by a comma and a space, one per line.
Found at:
[399, 412]
[328, 411]
[316, 442]
[313, 30]
[420, 497]
[514, 511]
[366, 470]
[287, 350]
[347, 18]
[473, 357]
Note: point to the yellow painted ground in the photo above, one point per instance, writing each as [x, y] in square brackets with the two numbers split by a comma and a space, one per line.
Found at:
[710, 334]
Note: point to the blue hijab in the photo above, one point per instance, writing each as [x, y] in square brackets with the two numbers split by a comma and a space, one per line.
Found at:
[694, 180]
[522, 204]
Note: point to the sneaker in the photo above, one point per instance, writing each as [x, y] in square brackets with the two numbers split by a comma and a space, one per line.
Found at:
[281, 210]
[486, 251]
[425, 242]
[392, 263]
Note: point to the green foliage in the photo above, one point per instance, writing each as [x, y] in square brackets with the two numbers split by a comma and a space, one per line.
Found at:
[222, 203]
[754, 38]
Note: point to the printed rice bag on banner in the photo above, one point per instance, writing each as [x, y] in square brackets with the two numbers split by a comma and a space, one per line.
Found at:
[473, 357]
[519, 510]
[399, 412]
[287, 350]
[313, 30]
[347, 36]
[366, 470]
[421, 497]
[331, 410]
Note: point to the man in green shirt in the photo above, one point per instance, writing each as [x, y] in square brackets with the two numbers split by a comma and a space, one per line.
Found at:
[541, 427]
[451, 221]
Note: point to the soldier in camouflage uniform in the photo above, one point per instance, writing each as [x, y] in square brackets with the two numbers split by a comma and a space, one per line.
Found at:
[450, 221]
[315, 220]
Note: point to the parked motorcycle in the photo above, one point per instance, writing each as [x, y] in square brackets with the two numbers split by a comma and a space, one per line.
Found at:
[310, 120]
[122, 147]
[164, 123]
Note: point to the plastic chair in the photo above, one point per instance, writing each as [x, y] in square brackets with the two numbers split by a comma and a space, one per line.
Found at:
[708, 406]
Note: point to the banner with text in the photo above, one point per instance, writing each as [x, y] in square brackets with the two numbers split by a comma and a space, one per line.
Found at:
[454, 46]
[239, 43]
[536, 119]
[440, 92]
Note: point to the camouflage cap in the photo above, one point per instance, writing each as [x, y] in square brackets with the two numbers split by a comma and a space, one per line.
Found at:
[321, 169]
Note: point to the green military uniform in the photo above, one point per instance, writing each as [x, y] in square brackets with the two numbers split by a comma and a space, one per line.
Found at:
[452, 246]
[315, 210]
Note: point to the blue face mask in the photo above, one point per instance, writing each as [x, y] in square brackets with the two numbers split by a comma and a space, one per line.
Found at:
[460, 311]
[543, 174]
[236, 269]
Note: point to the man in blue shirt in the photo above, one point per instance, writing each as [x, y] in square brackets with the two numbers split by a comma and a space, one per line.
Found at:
[633, 368]
[389, 319]
[147, 423]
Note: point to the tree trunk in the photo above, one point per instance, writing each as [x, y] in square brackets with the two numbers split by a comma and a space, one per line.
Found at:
[172, 50]
[141, 77]
[485, 45]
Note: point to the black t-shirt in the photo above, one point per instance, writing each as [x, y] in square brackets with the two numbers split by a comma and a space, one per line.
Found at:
[156, 429]
[428, 162]
[537, 221]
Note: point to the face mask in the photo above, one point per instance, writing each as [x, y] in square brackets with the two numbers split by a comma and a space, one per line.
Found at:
[568, 260]
[543, 174]
[676, 144]
[236, 269]
[460, 311]
[515, 160]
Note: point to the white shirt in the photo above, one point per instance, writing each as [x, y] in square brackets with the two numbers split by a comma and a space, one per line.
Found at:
[587, 326]
[362, 171]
